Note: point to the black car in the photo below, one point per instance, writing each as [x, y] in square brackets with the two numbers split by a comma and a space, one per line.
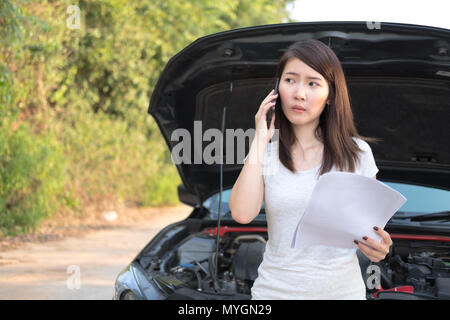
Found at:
[398, 76]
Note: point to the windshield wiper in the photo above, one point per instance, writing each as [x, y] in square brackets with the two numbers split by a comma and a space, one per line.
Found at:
[414, 216]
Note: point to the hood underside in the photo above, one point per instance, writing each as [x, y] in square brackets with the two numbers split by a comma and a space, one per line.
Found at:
[398, 77]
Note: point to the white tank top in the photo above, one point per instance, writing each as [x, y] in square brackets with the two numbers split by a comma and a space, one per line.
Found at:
[317, 272]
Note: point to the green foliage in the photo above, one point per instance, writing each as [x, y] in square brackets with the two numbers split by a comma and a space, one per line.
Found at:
[74, 129]
[111, 161]
[11, 21]
[124, 45]
[6, 113]
[31, 178]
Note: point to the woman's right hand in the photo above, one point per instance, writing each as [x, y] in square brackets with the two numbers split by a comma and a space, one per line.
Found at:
[262, 132]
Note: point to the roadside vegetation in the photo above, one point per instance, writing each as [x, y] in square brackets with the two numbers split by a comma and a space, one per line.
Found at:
[74, 128]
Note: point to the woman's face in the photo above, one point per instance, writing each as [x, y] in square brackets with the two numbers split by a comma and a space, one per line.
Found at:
[302, 87]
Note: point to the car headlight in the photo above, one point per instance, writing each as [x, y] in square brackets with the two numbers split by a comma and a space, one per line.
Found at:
[128, 295]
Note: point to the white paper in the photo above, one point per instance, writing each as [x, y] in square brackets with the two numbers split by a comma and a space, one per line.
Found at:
[345, 207]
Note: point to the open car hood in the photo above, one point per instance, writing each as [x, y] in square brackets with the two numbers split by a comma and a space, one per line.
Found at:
[398, 76]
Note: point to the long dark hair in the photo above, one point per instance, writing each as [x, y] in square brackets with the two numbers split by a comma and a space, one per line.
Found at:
[336, 127]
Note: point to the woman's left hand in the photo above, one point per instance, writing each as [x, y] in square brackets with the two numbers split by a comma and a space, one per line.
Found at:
[380, 249]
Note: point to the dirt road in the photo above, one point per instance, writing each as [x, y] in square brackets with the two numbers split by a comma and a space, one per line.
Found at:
[46, 270]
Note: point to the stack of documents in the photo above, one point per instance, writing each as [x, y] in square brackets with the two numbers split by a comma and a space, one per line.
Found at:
[345, 207]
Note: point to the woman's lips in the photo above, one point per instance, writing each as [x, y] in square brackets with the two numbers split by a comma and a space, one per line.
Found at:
[298, 109]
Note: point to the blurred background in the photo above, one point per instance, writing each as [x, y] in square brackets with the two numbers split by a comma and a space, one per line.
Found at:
[76, 78]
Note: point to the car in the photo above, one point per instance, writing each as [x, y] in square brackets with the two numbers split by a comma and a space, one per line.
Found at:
[398, 76]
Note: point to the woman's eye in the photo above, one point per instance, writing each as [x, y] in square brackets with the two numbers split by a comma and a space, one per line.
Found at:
[289, 80]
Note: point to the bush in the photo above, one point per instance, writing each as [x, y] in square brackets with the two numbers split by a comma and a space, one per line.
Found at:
[31, 178]
[74, 128]
[109, 160]
[80, 160]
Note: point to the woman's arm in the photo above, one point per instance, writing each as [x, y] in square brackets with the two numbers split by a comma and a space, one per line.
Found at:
[248, 191]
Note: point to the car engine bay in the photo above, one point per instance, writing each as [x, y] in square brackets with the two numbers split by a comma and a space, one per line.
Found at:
[414, 269]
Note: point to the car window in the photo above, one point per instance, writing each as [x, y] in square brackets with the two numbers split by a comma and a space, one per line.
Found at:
[212, 204]
[422, 199]
[419, 199]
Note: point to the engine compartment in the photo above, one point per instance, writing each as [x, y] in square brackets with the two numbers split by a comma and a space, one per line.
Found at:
[191, 265]
[414, 269]
[423, 265]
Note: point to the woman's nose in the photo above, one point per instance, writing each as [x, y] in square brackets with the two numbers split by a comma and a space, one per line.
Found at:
[300, 92]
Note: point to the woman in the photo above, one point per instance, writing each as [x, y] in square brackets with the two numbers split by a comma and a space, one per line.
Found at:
[316, 135]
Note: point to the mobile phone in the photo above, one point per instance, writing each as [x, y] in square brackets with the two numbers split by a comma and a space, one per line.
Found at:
[272, 109]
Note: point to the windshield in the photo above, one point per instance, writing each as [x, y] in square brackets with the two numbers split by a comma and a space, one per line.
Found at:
[419, 200]
[212, 204]
[422, 199]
